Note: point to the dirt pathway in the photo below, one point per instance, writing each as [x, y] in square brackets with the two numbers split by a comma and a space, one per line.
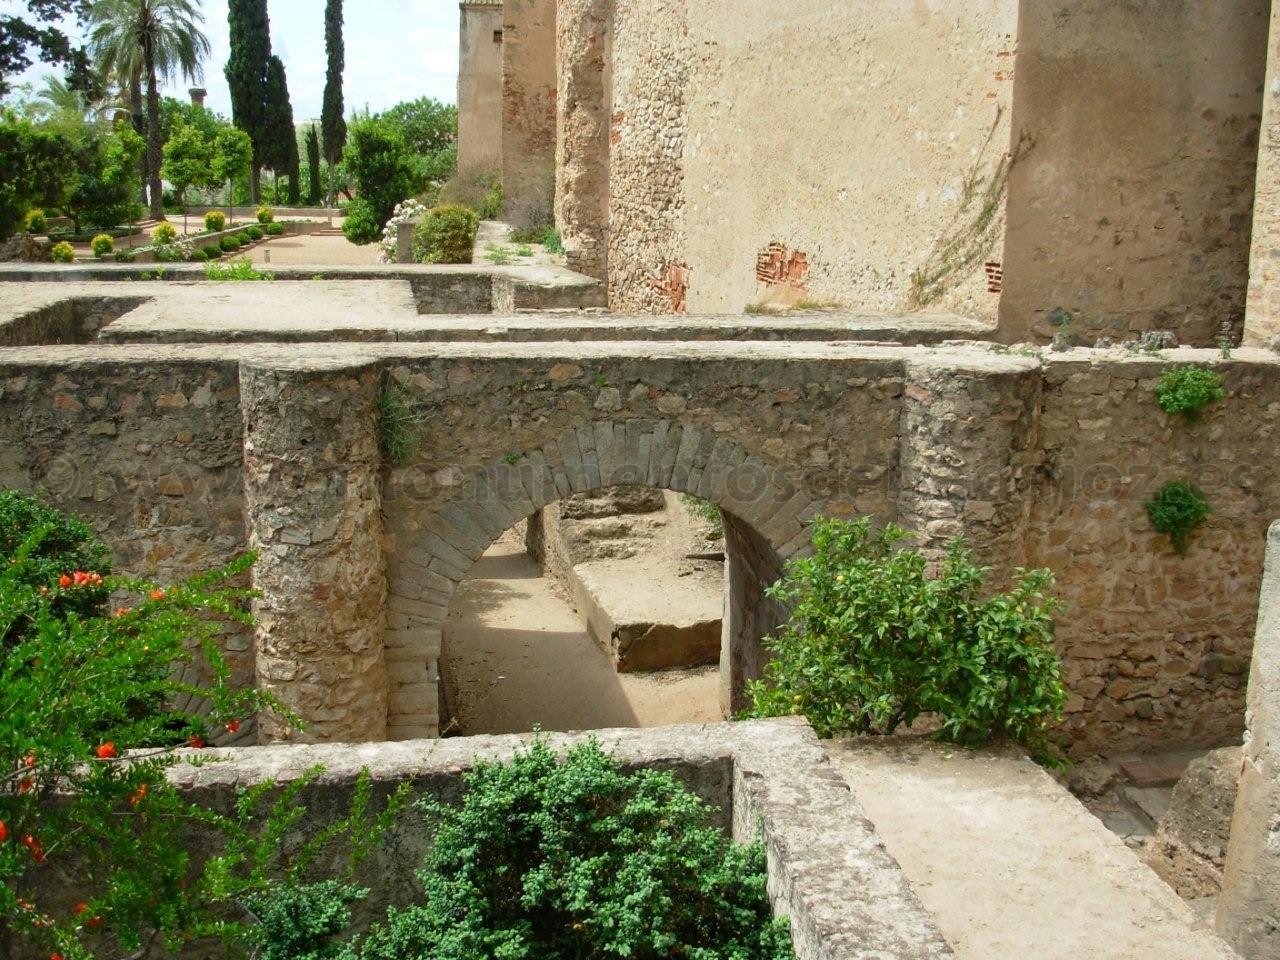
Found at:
[517, 657]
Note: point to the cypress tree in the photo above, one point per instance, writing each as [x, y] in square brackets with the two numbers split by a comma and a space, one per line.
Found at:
[332, 123]
[313, 165]
[246, 74]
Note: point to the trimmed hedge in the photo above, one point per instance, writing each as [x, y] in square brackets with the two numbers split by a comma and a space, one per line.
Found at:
[447, 234]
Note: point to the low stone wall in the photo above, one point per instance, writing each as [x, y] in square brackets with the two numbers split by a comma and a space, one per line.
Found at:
[78, 320]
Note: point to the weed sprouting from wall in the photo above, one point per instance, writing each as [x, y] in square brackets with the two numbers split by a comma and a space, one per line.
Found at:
[1177, 510]
[1185, 391]
[975, 228]
[399, 424]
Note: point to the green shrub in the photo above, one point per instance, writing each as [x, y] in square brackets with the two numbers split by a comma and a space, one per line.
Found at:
[874, 642]
[274, 229]
[245, 237]
[102, 245]
[170, 252]
[211, 251]
[66, 546]
[306, 921]
[498, 256]
[548, 859]
[215, 220]
[37, 222]
[199, 256]
[230, 244]
[1185, 391]
[1177, 510]
[708, 512]
[551, 240]
[241, 269]
[446, 235]
[165, 233]
[255, 233]
[62, 252]
[361, 226]
[266, 215]
[125, 256]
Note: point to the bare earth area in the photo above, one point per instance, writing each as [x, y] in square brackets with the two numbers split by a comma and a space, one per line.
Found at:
[1010, 865]
[517, 657]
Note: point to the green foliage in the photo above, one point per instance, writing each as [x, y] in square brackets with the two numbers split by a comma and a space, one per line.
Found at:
[274, 229]
[40, 26]
[708, 512]
[381, 164]
[874, 642]
[266, 215]
[307, 921]
[399, 424]
[361, 225]
[125, 256]
[35, 167]
[215, 220]
[165, 233]
[230, 244]
[232, 154]
[313, 165]
[255, 233]
[1185, 391]
[199, 256]
[37, 222]
[246, 70]
[545, 860]
[211, 252]
[480, 191]
[280, 149]
[524, 250]
[498, 256]
[332, 120]
[104, 191]
[189, 161]
[447, 234]
[244, 237]
[102, 245]
[1177, 510]
[430, 129]
[242, 269]
[62, 252]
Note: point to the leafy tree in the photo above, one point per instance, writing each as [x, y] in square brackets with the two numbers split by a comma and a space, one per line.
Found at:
[232, 154]
[332, 121]
[381, 164]
[874, 642]
[189, 162]
[313, 165]
[155, 40]
[38, 32]
[430, 128]
[35, 168]
[545, 860]
[102, 194]
[246, 72]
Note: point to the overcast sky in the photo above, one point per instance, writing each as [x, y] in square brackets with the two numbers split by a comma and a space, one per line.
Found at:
[396, 50]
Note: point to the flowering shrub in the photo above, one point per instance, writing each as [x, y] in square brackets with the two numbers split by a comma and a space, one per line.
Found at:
[62, 252]
[175, 251]
[102, 245]
[165, 233]
[266, 215]
[405, 212]
[215, 220]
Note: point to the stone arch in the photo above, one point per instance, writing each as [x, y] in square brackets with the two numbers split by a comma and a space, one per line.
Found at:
[765, 513]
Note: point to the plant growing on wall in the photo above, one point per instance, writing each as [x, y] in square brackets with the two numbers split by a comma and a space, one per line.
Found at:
[1177, 510]
[874, 642]
[399, 424]
[1185, 391]
[576, 858]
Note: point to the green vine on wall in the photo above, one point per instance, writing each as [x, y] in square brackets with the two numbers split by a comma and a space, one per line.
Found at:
[1177, 510]
[975, 227]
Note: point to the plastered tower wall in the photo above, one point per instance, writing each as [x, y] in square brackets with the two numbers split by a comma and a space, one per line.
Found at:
[528, 108]
[766, 155]
[1131, 210]
[1262, 323]
[480, 85]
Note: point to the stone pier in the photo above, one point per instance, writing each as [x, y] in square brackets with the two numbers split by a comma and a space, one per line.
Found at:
[313, 505]
[1249, 909]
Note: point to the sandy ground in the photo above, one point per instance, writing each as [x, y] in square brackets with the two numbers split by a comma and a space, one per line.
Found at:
[1009, 864]
[516, 657]
[315, 249]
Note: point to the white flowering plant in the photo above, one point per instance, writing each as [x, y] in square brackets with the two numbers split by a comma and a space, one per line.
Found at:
[405, 212]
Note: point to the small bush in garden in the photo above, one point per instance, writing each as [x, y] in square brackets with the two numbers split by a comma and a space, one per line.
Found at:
[551, 240]
[446, 235]
[1177, 510]
[361, 225]
[1185, 391]
[266, 215]
[230, 244]
[255, 233]
[215, 220]
[165, 233]
[62, 252]
[241, 269]
[172, 252]
[578, 859]
[102, 245]
[274, 229]
[874, 642]
[245, 237]
[198, 256]
[212, 252]
[125, 256]
[37, 222]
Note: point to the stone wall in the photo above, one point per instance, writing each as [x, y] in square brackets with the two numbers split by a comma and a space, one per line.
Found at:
[1262, 322]
[528, 110]
[480, 86]
[1131, 210]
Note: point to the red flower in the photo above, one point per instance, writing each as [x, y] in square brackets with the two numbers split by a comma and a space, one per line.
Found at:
[64, 581]
[196, 742]
[157, 594]
[37, 851]
[56, 956]
[233, 726]
[4, 831]
[107, 751]
[79, 908]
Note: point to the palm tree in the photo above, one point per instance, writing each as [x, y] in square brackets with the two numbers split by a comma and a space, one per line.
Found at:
[149, 40]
